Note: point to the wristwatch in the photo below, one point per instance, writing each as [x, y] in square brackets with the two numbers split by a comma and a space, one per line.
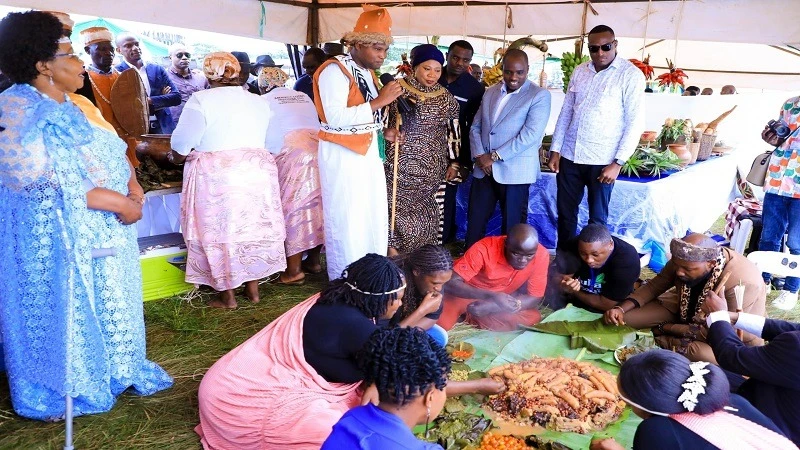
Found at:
[619, 162]
[496, 157]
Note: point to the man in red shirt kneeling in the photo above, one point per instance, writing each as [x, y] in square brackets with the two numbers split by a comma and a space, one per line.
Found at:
[499, 282]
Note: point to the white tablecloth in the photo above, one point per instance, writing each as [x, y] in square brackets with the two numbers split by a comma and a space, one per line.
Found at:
[690, 200]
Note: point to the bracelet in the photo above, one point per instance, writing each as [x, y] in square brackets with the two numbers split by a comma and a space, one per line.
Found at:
[620, 308]
[636, 304]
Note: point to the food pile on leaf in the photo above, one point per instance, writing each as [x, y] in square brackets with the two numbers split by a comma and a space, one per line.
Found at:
[557, 393]
[672, 78]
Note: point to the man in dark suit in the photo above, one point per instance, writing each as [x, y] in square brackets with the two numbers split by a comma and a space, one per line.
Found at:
[505, 138]
[162, 93]
[468, 92]
[773, 370]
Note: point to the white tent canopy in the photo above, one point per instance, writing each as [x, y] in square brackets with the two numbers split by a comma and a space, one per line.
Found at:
[772, 22]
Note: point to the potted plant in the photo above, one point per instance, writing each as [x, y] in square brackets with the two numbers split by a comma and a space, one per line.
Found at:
[674, 131]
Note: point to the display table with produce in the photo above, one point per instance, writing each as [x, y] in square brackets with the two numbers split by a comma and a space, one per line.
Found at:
[640, 208]
[553, 370]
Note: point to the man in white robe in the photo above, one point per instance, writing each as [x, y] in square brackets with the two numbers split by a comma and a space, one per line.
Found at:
[351, 140]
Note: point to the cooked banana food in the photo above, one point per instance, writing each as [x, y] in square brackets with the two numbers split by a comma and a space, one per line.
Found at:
[559, 394]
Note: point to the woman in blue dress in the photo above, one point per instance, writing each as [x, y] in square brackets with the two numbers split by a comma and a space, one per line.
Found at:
[71, 325]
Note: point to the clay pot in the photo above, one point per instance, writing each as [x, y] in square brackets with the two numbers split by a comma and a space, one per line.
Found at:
[649, 136]
[156, 146]
[694, 149]
[682, 152]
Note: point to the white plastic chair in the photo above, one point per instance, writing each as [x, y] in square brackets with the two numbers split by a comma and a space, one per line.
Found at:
[776, 263]
[741, 232]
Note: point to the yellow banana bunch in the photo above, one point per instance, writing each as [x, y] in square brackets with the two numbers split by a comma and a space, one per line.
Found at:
[495, 74]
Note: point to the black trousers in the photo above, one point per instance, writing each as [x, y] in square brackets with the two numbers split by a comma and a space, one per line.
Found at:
[483, 196]
[449, 227]
[571, 180]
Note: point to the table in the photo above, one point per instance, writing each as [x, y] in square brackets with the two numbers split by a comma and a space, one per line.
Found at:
[659, 209]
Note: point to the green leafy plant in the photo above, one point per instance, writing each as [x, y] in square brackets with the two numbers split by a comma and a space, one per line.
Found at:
[634, 165]
[650, 161]
[673, 130]
[659, 162]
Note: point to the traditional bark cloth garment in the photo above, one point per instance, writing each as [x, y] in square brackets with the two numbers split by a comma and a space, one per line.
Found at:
[350, 166]
[301, 195]
[264, 395]
[231, 214]
[71, 325]
[658, 306]
[431, 144]
[292, 138]
[484, 266]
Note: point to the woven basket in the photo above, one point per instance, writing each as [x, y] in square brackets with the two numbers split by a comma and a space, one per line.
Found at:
[706, 146]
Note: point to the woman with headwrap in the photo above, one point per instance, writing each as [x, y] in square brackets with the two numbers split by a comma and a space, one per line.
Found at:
[231, 213]
[71, 325]
[292, 136]
[427, 155]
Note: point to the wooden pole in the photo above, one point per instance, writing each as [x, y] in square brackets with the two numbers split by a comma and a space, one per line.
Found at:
[394, 174]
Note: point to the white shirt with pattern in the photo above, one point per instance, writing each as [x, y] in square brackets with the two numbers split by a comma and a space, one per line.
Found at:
[603, 114]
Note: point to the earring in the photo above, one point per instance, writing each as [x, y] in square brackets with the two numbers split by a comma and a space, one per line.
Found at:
[51, 81]
[427, 421]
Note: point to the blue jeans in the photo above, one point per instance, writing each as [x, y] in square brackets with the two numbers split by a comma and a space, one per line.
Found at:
[781, 216]
[438, 334]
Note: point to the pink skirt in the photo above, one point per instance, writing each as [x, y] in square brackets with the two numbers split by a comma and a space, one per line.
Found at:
[231, 217]
[264, 395]
[301, 195]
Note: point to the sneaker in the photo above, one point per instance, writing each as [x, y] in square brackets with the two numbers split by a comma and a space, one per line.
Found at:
[786, 300]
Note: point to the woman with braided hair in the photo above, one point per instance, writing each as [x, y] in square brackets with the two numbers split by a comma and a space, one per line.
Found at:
[426, 269]
[409, 371]
[287, 386]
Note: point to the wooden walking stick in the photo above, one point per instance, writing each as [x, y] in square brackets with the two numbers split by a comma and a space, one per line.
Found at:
[394, 173]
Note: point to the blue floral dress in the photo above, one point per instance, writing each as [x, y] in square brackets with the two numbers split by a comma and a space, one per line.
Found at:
[70, 324]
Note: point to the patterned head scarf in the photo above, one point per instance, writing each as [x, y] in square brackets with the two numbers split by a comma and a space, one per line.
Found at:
[222, 67]
[692, 253]
[271, 77]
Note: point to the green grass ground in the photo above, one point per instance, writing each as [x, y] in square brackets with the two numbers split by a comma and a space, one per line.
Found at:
[186, 338]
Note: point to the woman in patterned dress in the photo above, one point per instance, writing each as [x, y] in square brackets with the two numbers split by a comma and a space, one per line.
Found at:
[427, 153]
[71, 325]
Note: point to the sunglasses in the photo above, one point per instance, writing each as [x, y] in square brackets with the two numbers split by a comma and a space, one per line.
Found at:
[605, 47]
[791, 265]
[183, 54]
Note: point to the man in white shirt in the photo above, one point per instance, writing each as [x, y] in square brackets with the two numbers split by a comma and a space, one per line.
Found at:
[597, 131]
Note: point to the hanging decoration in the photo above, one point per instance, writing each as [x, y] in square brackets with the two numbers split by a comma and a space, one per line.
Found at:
[672, 78]
[644, 66]
[404, 69]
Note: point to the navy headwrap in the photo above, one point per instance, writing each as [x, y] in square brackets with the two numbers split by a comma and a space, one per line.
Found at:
[425, 52]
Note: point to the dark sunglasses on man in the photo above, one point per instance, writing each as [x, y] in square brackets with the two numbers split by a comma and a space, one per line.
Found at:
[605, 47]
[181, 55]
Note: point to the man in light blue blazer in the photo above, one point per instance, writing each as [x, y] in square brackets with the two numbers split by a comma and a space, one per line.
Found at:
[505, 138]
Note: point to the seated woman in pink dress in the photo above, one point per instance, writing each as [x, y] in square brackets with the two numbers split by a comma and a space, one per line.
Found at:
[286, 387]
[231, 214]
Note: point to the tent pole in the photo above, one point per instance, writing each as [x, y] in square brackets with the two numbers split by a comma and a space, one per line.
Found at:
[312, 34]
